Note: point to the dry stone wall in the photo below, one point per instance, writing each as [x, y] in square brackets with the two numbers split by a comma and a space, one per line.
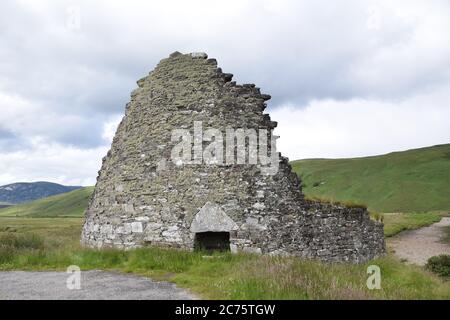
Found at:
[142, 197]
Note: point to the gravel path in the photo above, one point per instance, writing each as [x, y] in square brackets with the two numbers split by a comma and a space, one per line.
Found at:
[23, 285]
[416, 246]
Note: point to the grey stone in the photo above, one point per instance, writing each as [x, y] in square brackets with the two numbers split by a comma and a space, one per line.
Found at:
[199, 55]
[252, 250]
[211, 218]
[175, 54]
[136, 227]
[128, 208]
[259, 206]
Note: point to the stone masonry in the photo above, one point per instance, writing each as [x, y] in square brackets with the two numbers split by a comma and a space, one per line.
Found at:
[142, 197]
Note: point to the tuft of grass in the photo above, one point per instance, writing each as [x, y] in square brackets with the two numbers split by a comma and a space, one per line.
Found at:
[23, 241]
[439, 265]
[347, 203]
[377, 216]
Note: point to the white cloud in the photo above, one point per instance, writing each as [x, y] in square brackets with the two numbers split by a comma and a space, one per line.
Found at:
[110, 128]
[43, 160]
[30, 119]
[51, 162]
[360, 127]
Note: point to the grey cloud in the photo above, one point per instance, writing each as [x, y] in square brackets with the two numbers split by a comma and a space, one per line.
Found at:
[84, 133]
[5, 134]
[296, 51]
[10, 142]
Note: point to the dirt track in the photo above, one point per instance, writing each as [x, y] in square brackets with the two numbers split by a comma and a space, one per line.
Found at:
[416, 246]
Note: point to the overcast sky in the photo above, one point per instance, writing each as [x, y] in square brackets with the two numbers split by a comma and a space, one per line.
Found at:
[347, 78]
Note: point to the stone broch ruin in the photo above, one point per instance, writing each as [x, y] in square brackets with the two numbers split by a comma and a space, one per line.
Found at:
[142, 197]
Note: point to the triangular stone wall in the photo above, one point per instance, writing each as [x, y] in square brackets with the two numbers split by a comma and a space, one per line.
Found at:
[144, 196]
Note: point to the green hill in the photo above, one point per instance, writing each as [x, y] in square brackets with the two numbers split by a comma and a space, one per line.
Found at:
[416, 180]
[71, 204]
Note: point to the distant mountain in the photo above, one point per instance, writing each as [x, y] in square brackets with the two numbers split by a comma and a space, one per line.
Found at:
[24, 192]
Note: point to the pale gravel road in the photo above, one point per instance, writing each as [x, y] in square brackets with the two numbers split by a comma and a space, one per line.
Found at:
[102, 285]
[416, 246]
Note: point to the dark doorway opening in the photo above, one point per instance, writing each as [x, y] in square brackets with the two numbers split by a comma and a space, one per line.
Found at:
[212, 241]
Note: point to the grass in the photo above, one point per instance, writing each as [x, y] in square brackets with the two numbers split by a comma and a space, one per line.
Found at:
[410, 181]
[53, 244]
[439, 265]
[61, 231]
[71, 204]
[397, 222]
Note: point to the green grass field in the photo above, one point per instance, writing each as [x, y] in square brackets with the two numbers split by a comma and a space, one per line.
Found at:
[398, 221]
[53, 244]
[71, 204]
[410, 181]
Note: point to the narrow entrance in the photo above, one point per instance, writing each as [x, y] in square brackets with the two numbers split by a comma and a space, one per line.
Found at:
[212, 241]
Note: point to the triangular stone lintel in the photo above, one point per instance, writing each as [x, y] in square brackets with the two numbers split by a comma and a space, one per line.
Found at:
[211, 218]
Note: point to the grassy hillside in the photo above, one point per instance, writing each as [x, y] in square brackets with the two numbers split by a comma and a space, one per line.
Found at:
[410, 181]
[71, 204]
